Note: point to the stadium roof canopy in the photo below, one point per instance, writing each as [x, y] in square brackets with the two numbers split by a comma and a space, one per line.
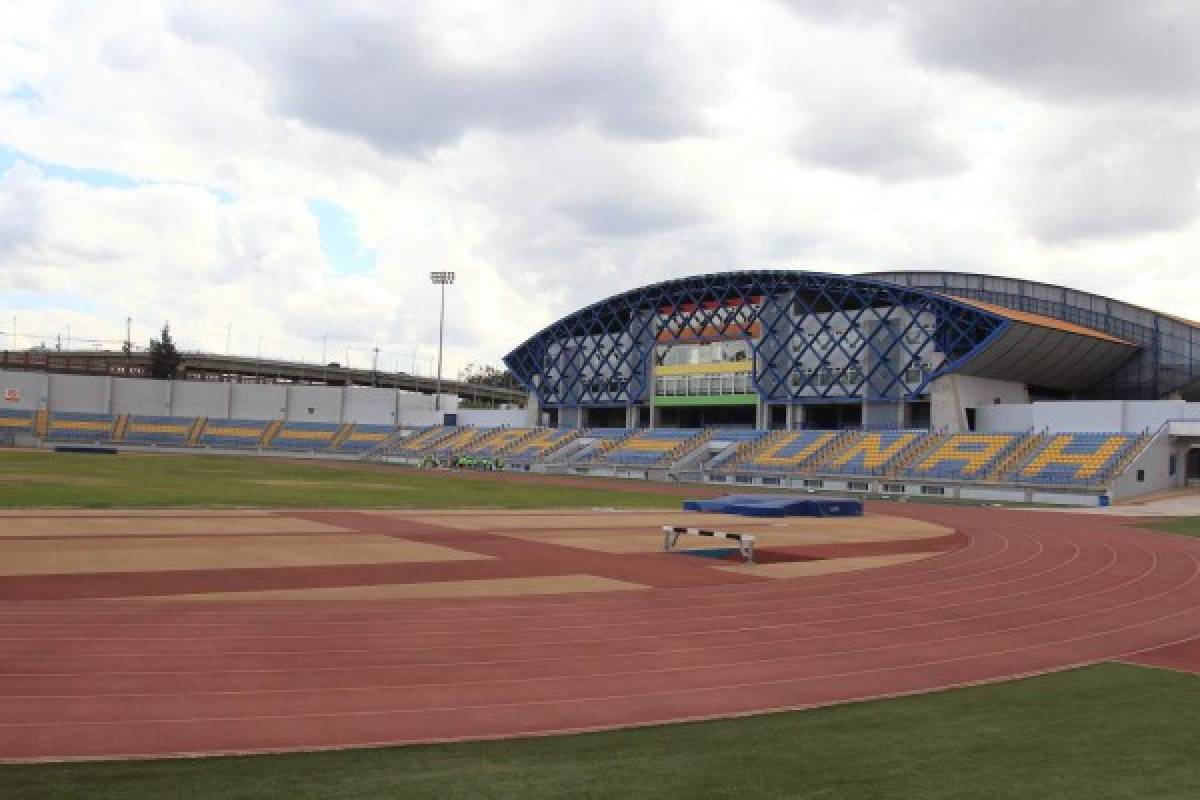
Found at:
[1168, 359]
[1000, 328]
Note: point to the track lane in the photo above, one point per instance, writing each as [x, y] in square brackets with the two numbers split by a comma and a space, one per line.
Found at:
[1029, 593]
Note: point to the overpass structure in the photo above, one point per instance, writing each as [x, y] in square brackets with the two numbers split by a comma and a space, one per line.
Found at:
[214, 367]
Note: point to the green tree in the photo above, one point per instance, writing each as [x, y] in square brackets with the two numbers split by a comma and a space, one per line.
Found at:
[488, 376]
[164, 358]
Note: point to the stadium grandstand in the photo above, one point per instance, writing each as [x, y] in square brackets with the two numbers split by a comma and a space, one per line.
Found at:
[942, 384]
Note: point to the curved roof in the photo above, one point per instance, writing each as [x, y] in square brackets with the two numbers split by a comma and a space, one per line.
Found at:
[1168, 360]
[953, 282]
[1042, 321]
[1047, 352]
[602, 353]
[615, 337]
[991, 326]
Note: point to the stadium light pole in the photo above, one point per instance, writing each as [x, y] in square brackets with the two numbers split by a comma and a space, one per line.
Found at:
[440, 279]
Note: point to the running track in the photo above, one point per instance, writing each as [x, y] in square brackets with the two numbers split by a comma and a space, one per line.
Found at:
[1028, 593]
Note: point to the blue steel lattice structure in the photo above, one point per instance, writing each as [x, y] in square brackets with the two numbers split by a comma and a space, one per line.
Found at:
[812, 337]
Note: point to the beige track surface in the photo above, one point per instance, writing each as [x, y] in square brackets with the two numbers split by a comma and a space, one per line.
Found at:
[138, 554]
[641, 532]
[495, 587]
[829, 566]
[160, 525]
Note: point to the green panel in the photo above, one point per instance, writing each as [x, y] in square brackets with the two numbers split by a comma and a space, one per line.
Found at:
[706, 400]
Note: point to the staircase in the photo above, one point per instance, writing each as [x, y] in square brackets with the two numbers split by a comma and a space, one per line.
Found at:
[569, 451]
[119, 427]
[841, 443]
[341, 436]
[517, 444]
[432, 440]
[1019, 455]
[270, 433]
[1129, 457]
[749, 450]
[598, 450]
[458, 442]
[915, 452]
[558, 446]
[380, 450]
[197, 430]
[686, 447]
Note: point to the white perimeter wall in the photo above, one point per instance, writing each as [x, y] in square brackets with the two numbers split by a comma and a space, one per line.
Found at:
[78, 393]
[131, 396]
[1104, 416]
[109, 395]
[951, 395]
[31, 390]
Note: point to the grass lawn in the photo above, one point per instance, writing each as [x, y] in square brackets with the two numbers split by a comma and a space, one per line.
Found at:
[1108, 731]
[1186, 526]
[57, 480]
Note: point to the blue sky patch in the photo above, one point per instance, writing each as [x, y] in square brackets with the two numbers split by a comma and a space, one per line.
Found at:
[91, 177]
[339, 238]
[101, 178]
[22, 300]
[25, 92]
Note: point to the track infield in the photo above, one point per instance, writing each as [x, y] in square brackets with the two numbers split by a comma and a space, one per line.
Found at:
[442, 626]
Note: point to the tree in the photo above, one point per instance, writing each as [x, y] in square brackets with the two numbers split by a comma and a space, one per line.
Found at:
[164, 358]
[488, 376]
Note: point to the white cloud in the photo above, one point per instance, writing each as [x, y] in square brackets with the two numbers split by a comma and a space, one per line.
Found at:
[553, 156]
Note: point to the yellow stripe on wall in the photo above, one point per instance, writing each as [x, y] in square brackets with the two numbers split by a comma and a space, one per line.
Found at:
[719, 368]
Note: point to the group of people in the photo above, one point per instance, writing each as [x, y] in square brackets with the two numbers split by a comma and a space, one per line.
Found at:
[465, 462]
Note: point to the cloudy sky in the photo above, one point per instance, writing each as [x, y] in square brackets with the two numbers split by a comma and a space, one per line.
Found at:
[287, 174]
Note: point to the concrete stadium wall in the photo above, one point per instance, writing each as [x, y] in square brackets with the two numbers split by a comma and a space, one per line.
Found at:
[200, 399]
[1004, 418]
[1099, 416]
[258, 401]
[1149, 415]
[133, 396]
[493, 418]
[951, 395]
[315, 403]
[414, 418]
[78, 393]
[371, 405]
[31, 390]
[1104, 416]
[336, 404]
[1154, 464]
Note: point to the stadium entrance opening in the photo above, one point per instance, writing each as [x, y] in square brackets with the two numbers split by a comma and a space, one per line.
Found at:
[1193, 466]
[604, 417]
[832, 416]
[706, 416]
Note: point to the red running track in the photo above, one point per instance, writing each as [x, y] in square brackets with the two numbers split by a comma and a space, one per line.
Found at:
[1029, 593]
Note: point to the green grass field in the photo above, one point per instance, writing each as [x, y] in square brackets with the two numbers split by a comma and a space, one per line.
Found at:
[56, 480]
[1184, 526]
[1108, 731]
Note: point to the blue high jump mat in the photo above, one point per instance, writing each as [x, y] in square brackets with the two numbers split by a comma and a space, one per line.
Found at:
[777, 505]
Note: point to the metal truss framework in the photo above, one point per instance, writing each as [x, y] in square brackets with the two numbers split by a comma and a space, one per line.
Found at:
[602, 355]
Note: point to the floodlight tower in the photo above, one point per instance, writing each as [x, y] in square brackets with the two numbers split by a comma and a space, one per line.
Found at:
[440, 279]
